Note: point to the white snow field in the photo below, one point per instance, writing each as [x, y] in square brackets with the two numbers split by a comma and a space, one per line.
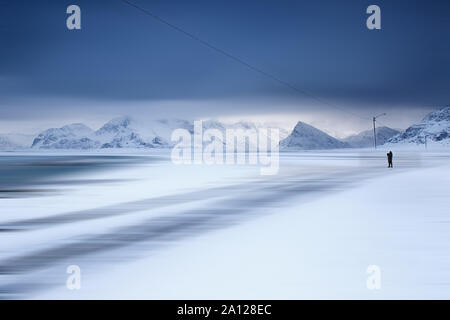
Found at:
[140, 227]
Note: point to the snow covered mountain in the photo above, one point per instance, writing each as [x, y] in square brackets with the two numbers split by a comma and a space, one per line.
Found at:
[435, 127]
[246, 127]
[126, 132]
[365, 138]
[7, 144]
[121, 132]
[72, 136]
[306, 137]
[12, 141]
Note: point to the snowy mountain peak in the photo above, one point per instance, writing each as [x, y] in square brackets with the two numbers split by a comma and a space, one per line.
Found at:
[115, 125]
[365, 138]
[307, 137]
[78, 128]
[121, 132]
[57, 137]
[434, 128]
[442, 114]
[301, 128]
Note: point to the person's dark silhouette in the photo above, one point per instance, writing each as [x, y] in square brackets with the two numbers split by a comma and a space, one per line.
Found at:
[389, 156]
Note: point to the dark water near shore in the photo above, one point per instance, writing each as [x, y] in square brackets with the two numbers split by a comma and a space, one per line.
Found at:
[31, 175]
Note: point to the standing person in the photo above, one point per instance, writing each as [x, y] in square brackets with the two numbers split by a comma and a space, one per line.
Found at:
[389, 157]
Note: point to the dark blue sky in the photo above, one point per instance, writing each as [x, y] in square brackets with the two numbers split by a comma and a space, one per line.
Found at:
[123, 57]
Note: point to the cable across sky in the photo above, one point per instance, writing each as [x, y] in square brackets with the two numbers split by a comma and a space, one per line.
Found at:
[242, 62]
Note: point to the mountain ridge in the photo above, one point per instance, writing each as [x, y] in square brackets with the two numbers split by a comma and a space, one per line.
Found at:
[365, 138]
[125, 132]
[434, 128]
[307, 137]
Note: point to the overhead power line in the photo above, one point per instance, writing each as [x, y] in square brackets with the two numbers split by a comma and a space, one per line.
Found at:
[240, 61]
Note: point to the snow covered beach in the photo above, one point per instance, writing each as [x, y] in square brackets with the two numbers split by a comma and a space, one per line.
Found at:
[140, 227]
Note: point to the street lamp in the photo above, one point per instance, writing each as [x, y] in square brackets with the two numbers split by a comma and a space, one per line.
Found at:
[374, 129]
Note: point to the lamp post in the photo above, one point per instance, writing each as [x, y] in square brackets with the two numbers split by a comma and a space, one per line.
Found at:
[374, 129]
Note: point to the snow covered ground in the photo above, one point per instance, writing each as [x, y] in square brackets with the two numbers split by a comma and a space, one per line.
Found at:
[140, 227]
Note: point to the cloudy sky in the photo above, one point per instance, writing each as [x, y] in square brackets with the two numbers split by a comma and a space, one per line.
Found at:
[123, 61]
